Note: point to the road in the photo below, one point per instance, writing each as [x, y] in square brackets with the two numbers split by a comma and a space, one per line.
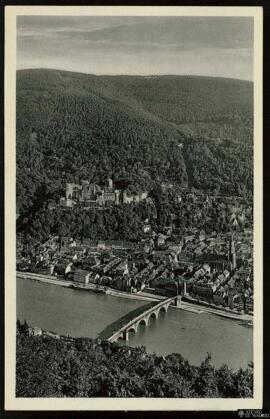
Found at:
[144, 296]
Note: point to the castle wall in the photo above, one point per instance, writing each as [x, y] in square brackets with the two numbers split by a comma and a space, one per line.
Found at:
[89, 192]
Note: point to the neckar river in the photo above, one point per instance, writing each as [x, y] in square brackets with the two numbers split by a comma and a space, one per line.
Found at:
[81, 313]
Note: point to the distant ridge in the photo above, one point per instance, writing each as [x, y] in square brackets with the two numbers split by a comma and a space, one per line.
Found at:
[135, 75]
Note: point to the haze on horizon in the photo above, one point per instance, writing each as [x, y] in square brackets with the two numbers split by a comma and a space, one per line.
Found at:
[206, 46]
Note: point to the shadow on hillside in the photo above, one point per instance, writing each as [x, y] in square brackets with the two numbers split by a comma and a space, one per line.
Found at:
[113, 327]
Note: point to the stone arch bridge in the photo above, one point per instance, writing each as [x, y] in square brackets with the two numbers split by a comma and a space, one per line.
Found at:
[143, 318]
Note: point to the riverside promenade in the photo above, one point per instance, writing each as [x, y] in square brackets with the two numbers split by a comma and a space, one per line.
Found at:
[192, 306]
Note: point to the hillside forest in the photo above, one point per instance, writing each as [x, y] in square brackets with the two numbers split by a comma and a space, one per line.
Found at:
[140, 131]
[46, 367]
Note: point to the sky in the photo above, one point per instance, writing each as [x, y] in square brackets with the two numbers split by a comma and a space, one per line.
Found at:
[208, 46]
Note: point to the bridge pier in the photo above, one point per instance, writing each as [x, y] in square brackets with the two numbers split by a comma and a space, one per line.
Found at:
[166, 307]
[125, 335]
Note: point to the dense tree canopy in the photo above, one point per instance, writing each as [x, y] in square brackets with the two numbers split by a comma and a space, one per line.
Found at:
[138, 130]
[86, 368]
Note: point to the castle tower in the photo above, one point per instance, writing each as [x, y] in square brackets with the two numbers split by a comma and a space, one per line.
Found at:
[124, 197]
[102, 198]
[69, 191]
[110, 183]
[117, 197]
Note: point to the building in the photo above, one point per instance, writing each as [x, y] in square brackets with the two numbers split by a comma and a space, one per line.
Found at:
[91, 195]
[34, 331]
[215, 261]
[219, 261]
[73, 192]
[81, 276]
[127, 199]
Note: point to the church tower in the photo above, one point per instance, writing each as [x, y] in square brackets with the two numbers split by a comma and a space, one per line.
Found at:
[232, 254]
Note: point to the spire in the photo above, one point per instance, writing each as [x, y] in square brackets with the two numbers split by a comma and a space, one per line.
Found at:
[232, 254]
[232, 247]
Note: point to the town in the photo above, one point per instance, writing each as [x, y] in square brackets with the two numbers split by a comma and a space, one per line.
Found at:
[213, 267]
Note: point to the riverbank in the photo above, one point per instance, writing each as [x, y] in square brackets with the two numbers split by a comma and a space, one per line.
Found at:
[86, 314]
[218, 310]
[192, 305]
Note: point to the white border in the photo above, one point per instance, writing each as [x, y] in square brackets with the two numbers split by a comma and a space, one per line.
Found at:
[13, 403]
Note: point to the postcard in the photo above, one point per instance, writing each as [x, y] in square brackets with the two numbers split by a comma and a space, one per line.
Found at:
[133, 173]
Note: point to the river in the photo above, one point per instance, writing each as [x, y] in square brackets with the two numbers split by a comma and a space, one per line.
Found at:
[83, 313]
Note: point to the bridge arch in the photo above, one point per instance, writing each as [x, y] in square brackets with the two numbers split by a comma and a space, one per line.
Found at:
[144, 321]
[154, 314]
[133, 328]
[120, 337]
[163, 308]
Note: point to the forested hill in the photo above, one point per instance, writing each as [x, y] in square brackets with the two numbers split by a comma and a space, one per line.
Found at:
[73, 126]
[187, 101]
[47, 367]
